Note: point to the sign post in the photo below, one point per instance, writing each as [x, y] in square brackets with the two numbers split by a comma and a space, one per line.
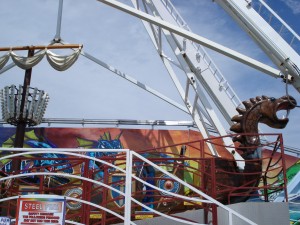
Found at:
[41, 209]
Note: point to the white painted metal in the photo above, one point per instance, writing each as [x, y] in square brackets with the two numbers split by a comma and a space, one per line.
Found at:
[198, 61]
[230, 218]
[277, 49]
[128, 188]
[284, 26]
[59, 19]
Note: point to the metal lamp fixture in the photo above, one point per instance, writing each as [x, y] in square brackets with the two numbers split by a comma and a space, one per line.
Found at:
[29, 110]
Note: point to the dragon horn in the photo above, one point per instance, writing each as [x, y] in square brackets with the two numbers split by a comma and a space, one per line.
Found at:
[118, 136]
[240, 110]
[237, 118]
[237, 127]
[253, 100]
[247, 104]
[106, 136]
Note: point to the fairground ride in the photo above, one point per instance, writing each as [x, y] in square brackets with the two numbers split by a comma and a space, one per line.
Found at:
[208, 98]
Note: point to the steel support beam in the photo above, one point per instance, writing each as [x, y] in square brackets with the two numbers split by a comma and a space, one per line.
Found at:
[196, 38]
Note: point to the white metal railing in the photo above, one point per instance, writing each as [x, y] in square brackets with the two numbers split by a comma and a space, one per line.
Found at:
[114, 122]
[128, 179]
[197, 191]
[278, 24]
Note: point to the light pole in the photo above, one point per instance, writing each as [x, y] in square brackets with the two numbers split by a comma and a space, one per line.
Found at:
[21, 107]
[21, 119]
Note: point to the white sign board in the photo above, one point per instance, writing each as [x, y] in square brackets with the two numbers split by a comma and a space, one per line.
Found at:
[41, 209]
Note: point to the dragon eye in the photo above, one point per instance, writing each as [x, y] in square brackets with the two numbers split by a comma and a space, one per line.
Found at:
[272, 99]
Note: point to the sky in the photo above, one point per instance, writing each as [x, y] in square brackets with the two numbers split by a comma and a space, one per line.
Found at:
[90, 91]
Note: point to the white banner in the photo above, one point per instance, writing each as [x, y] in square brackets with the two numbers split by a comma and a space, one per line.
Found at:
[41, 209]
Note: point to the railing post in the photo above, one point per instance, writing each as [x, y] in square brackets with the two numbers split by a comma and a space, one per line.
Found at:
[230, 222]
[266, 194]
[204, 178]
[214, 191]
[127, 210]
[84, 210]
[104, 194]
[285, 181]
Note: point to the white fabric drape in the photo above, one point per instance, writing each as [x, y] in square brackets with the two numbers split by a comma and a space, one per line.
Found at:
[62, 63]
[3, 60]
[58, 62]
[26, 63]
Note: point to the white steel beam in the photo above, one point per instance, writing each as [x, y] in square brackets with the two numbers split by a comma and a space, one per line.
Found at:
[117, 122]
[196, 38]
[269, 40]
[134, 81]
[59, 19]
[128, 189]
[8, 67]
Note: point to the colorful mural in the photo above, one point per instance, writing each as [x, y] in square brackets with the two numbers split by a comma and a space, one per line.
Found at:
[138, 140]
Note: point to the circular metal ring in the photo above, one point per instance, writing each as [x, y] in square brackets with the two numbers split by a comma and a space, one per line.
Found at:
[74, 193]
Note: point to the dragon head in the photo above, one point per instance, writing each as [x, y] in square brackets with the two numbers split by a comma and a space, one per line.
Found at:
[261, 109]
[270, 108]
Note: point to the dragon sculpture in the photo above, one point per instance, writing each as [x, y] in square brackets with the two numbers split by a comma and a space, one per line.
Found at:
[261, 109]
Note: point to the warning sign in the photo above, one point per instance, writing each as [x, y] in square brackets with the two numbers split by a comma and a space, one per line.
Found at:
[41, 209]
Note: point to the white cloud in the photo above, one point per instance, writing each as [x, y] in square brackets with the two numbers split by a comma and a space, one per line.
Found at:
[293, 4]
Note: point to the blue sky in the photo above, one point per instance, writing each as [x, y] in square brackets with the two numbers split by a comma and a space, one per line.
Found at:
[87, 90]
[287, 10]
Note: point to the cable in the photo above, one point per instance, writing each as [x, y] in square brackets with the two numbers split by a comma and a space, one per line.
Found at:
[286, 86]
[296, 106]
[288, 96]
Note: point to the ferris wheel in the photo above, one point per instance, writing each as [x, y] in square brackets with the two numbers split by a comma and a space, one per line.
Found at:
[205, 98]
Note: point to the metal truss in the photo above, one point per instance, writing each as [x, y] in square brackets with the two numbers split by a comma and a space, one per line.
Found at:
[249, 16]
